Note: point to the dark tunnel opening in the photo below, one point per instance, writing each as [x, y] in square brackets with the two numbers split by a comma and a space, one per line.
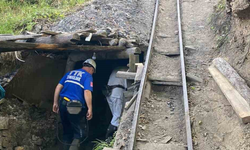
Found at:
[101, 111]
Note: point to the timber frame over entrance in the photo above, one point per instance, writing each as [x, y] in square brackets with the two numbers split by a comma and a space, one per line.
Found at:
[106, 43]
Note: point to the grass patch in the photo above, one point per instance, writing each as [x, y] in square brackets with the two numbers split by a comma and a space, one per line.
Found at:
[20, 15]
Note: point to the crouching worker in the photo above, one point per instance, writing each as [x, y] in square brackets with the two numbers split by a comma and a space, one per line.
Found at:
[115, 97]
[75, 103]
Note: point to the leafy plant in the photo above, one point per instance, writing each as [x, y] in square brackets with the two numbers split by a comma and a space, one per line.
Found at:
[20, 15]
[101, 144]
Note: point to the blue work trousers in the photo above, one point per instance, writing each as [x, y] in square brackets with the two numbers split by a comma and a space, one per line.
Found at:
[73, 124]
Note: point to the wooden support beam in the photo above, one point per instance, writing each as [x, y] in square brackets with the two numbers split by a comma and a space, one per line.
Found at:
[126, 75]
[239, 104]
[139, 70]
[132, 59]
[18, 37]
[12, 46]
[233, 77]
[51, 33]
[170, 53]
[166, 83]
[56, 39]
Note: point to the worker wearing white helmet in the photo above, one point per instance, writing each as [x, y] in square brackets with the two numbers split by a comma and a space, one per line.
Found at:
[115, 96]
[74, 92]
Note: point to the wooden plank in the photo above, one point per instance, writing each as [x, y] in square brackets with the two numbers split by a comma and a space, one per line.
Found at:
[126, 75]
[166, 79]
[56, 39]
[139, 71]
[239, 104]
[233, 77]
[51, 33]
[167, 83]
[79, 56]
[177, 53]
[12, 46]
[18, 37]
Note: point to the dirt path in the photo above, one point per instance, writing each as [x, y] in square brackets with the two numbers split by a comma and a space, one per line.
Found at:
[214, 123]
[162, 121]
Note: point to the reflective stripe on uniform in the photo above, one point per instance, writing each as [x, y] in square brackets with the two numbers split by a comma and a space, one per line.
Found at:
[74, 83]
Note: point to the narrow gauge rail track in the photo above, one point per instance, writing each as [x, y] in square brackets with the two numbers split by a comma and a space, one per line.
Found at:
[160, 120]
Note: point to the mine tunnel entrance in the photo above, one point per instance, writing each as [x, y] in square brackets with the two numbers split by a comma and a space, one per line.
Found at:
[101, 111]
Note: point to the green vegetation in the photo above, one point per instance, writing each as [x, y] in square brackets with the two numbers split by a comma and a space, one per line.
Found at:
[192, 87]
[20, 15]
[101, 144]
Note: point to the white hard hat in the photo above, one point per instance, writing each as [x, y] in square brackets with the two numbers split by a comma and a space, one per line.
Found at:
[90, 62]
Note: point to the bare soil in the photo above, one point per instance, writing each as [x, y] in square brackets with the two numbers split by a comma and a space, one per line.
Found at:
[29, 127]
[162, 119]
[215, 125]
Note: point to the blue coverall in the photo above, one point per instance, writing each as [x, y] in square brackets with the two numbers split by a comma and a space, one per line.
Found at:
[74, 83]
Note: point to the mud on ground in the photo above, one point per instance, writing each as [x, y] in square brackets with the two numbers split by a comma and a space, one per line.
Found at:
[29, 127]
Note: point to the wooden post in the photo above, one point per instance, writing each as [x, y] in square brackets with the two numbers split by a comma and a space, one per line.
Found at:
[12, 46]
[132, 59]
[126, 75]
[139, 70]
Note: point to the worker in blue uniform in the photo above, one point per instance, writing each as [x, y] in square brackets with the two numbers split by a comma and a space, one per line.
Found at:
[75, 89]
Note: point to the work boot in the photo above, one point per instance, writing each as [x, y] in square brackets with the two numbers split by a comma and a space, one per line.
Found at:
[75, 144]
[110, 131]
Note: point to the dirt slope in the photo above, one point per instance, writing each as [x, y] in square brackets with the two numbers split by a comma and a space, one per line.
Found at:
[214, 123]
